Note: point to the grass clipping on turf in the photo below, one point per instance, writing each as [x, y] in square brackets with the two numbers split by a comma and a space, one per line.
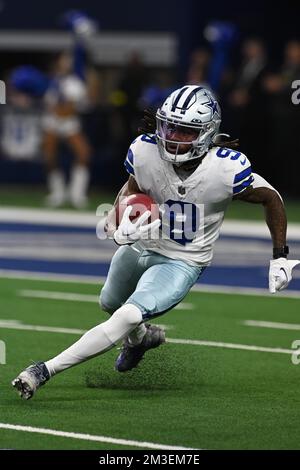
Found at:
[162, 369]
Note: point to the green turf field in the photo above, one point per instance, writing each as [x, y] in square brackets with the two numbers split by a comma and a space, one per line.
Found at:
[181, 395]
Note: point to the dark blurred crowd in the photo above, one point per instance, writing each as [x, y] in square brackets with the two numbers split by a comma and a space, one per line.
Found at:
[255, 95]
[258, 109]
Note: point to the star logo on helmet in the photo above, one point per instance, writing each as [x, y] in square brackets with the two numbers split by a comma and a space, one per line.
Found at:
[212, 105]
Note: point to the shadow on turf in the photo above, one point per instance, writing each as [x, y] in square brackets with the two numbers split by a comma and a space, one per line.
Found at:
[157, 371]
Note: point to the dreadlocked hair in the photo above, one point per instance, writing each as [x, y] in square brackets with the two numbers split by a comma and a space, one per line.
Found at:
[148, 122]
[224, 140]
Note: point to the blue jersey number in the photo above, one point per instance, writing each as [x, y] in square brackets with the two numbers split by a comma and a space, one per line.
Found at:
[224, 153]
[180, 221]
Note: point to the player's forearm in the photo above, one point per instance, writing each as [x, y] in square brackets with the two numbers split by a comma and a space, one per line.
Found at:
[130, 187]
[276, 220]
[110, 223]
[274, 211]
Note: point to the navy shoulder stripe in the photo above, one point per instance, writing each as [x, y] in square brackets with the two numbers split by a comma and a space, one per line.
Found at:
[243, 185]
[242, 175]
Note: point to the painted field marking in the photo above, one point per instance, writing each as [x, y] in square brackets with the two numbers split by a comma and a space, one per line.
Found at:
[91, 437]
[98, 280]
[9, 324]
[242, 347]
[271, 324]
[50, 295]
[17, 325]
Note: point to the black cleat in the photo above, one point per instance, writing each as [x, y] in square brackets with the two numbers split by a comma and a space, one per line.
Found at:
[131, 355]
[31, 379]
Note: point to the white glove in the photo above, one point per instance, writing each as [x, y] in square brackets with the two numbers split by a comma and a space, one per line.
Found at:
[280, 273]
[129, 232]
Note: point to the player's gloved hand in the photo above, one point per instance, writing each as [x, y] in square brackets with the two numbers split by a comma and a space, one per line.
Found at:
[280, 273]
[129, 232]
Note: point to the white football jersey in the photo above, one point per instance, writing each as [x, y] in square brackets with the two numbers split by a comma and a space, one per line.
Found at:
[192, 209]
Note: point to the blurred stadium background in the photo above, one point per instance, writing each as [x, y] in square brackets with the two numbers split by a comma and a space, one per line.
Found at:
[77, 81]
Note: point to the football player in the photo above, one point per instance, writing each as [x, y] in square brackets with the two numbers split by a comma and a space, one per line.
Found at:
[182, 163]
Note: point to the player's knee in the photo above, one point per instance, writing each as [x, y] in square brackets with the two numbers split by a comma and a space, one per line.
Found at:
[146, 301]
[107, 303]
[129, 313]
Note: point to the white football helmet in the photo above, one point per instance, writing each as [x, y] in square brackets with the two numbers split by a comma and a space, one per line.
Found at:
[191, 116]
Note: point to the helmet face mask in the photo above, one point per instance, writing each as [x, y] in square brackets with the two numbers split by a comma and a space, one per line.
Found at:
[186, 124]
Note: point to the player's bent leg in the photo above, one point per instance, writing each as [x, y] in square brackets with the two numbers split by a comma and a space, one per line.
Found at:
[93, 343]
[154, 336]
[131, 354]
[108, 303]
[163, 286]
[177, 278]
[123, 275]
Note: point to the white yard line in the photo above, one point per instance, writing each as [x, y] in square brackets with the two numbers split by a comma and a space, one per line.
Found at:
[91, 437]
[271, 324]
[54, 253]
[48, 216]
[236, 290]
[184, 306]
[16, 325]
[242, 347]
[49, 295]
[51, 277]
[208, 288]
[77, 278]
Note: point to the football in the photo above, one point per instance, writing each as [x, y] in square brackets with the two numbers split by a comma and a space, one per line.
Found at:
[140, 203]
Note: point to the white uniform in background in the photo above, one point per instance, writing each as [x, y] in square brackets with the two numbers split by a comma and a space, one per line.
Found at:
[67, 89]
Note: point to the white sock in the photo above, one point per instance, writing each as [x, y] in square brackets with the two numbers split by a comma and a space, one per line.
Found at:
[98, 340]
[137, 335]
[56, 184]
[78, 185]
